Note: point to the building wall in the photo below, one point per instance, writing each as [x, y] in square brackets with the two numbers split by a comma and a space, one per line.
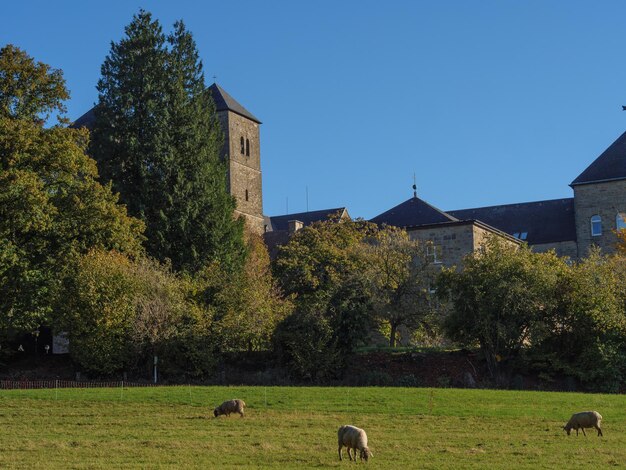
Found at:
[566, 249]
[604, 199]
[455, 240]
[244, 171]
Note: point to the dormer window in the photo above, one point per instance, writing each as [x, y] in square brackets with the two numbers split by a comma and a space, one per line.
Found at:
[242, 146]
[521, 235]
[596, 226]
[247, 148]
[620, 221]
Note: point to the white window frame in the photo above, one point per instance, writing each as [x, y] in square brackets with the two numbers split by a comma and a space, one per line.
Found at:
[596, 225]
[434, 253]
[620, 221]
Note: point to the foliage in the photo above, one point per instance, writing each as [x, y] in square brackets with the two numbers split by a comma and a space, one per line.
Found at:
[247, 305]
[402, 278]
[52, 209]
[588, 335]
[504, 299]
[119, 312]
[29, 91]
[323, 266]
[157, 138]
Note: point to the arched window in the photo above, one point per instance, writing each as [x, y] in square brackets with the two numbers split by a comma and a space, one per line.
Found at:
[596, 226]
[242, 146]
[247, 148]
[246, 194]
[620, 221]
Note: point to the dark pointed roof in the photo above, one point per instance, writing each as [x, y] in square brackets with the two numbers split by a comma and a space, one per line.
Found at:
[86, 120]
[281, 222]
[413, 212]
[543, 221]
[610, 165]
[225, 102]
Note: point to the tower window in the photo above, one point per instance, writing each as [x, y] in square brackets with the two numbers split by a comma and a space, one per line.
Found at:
[596, 226]
[242, 146]
[620, 221]
[247, 148]
[246, 194]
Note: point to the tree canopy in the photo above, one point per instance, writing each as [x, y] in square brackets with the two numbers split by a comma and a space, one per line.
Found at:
[157, 138]
[52, 207]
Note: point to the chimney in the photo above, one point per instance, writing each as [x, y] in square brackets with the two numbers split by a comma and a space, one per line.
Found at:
[295, 225]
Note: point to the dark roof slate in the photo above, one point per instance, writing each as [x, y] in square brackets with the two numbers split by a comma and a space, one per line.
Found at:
[544, 221]
[610, 165]
[281, 222]
[411, 213]
[87, 120]
[223, 102]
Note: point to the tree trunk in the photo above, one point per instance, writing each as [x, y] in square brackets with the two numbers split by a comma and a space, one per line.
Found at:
[392, 336]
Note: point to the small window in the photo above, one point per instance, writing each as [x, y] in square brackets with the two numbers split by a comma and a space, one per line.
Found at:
[242, 146]
[620, 221]
[246, 194]
[596, 226]
[523, 235]
[516, 234]
[433, 253]
[247, 148]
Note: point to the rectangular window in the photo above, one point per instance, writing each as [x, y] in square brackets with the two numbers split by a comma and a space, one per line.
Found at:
[433, 253]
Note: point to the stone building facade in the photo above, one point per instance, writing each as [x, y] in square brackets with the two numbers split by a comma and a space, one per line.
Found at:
[570, 226]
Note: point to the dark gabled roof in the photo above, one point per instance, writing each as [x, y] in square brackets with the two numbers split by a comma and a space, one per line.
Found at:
[86, 120]
[610, 165]
[544, 221]
[281, 222]
[411, 213]
[224, 102]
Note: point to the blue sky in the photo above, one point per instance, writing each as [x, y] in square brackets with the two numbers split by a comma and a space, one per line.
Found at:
[487, 102]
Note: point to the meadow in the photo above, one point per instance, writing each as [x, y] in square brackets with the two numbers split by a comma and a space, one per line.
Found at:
[295, 427]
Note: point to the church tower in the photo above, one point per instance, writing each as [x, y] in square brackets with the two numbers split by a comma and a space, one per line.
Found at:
[243, 153]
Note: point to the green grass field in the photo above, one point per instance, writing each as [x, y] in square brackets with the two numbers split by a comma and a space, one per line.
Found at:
[285, 427]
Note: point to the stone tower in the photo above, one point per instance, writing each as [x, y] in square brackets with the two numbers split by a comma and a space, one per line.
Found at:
[243, 152]
[600, 199]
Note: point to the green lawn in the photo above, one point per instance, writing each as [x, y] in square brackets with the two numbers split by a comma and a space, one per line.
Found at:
[173, 427]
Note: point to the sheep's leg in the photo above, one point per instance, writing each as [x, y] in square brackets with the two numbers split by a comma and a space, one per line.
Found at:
[583, 430]
[339, 450]
[599, 430]
[350, 455]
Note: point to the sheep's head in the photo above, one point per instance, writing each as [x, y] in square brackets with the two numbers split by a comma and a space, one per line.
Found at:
[216, 413]
[567, 429]
[365, 454]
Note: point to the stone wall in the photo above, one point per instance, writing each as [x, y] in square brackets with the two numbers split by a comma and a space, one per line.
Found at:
[455, 240]
[604, 199]
[244, 171]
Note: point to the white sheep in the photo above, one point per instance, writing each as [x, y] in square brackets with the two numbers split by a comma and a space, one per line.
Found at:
[353, 438]
[228, 407]
[585, 419]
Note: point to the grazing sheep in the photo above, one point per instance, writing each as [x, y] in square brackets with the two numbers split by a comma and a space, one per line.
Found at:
[353, 438]
[230, 406]
[586, 419]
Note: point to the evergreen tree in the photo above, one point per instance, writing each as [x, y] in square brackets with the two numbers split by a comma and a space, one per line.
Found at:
[158, 139]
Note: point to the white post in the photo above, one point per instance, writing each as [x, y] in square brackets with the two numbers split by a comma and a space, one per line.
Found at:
[156, 360]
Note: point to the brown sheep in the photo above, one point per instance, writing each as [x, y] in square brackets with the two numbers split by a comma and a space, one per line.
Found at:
[228, 407]
[353, 438]
[585, 419]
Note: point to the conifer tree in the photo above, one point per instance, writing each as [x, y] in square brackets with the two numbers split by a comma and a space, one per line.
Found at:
[158, 139]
